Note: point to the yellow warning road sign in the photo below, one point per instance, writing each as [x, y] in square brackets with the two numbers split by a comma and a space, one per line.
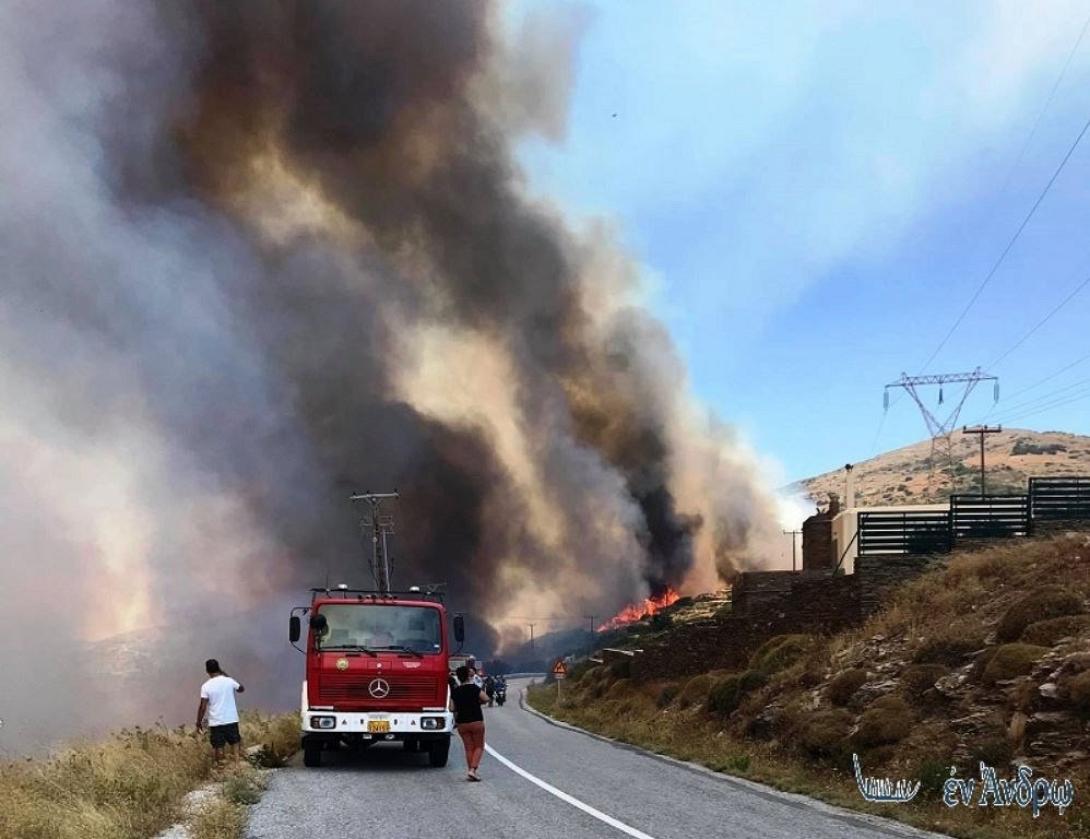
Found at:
[560, 669]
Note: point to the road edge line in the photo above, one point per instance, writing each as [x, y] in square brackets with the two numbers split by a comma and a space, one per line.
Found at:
[567, 798]
[805, 802]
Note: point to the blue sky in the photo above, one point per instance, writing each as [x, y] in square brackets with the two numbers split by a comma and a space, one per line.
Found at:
[815, 190]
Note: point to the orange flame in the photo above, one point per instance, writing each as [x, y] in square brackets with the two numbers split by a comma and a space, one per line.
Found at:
[638, 611]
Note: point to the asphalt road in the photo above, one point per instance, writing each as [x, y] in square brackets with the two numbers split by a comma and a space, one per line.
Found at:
[580, 787]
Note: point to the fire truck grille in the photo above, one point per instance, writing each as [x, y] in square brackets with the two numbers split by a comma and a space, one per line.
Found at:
[344, 689]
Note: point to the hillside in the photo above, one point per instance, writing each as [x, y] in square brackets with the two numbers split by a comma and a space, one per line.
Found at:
[901, 476]
[985, 659]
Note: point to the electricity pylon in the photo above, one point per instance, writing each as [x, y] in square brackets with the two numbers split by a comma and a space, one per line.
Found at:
[941, 430]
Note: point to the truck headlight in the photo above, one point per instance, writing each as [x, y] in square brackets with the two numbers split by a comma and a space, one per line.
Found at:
[323, 722]
[431, 723]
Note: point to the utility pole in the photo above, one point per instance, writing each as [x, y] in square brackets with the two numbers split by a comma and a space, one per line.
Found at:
[380, 527]
[531, 637]
[590, 619]
[981, 431]
[793, 534]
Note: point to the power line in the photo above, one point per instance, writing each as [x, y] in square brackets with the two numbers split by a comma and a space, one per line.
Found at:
[1032, 403]
[1035, 385]
[1043, 321]
[1003, 255]
[1058, 404]
[1049, 378]
[1044, 109]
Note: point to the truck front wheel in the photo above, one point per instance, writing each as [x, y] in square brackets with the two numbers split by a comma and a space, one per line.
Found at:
[438, 751]
[312, 755]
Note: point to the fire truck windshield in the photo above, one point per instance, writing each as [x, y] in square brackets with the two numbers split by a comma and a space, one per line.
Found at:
[378, 627]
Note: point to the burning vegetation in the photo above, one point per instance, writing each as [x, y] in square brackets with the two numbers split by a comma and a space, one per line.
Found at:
[638, 611]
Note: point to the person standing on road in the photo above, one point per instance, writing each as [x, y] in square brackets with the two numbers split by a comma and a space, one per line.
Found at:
[466, 701]
[218, 704]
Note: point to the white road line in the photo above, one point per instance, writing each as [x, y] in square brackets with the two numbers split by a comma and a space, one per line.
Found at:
[563, 796]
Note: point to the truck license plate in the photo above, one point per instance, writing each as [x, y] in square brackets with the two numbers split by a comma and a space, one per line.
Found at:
[378, 726]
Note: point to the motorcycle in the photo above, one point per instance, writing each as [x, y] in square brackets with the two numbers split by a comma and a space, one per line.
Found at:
[501, 694]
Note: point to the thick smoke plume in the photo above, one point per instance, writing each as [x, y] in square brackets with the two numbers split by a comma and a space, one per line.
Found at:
[260, 255]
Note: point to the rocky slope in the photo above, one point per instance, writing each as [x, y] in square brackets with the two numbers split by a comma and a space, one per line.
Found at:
[986, 658]
[905, 476]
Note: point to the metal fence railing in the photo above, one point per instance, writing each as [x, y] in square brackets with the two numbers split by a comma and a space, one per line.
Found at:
[989, 516]
[1059, 498]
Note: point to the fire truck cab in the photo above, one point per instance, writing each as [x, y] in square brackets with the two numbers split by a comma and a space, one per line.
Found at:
[376, 671]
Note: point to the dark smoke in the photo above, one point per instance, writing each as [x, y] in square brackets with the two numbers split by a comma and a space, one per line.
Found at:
[262, 255]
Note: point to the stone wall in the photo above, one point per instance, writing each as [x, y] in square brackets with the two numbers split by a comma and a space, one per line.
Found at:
[877, 574]
[770, 603]
[697, 648]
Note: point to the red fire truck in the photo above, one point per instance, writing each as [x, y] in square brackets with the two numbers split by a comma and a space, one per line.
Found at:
[377, 670]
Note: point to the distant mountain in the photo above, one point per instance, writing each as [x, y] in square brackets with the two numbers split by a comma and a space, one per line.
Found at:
[904, 476]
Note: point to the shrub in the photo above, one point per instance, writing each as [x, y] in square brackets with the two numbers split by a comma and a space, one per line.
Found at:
[1047, 632]
[737, 764]
[278, 737]
[1078, 691]
[994, 749]
[1009, 661]
[844, 685]
[618, 689]
[661, 622]
[887, 720]
[1026, 447]
[932, 774]
[825, 733]
[695, 690]
[779, 653]
[242, 789]
[581, 669]
[724, 696]
[918, 678]
[667, 696]
[947, 647]
[1049, 602]
[728, 692]
[219, 819]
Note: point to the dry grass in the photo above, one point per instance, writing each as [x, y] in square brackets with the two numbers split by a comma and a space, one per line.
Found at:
[128, 787]
[219, 819]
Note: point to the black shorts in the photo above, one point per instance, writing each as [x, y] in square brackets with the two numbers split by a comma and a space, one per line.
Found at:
[219, 735]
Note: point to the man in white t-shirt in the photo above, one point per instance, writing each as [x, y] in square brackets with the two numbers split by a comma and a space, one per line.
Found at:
[218, 704]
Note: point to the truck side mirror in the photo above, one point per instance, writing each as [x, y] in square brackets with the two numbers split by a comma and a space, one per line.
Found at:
[294, 629]
[459, 628]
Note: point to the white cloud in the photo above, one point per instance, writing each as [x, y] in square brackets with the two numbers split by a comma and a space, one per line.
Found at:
[765, 145]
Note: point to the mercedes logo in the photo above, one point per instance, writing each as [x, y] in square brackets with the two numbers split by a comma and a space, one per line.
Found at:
[379, 688]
